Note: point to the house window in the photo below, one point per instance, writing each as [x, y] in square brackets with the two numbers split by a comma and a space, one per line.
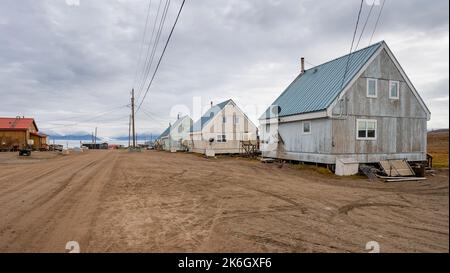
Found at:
[307, 127]
[221, 138]
[236, 120]
[267, 128]
[224, 119]
[366, 129]
[180, 129]
[394, 90]
[372, 88]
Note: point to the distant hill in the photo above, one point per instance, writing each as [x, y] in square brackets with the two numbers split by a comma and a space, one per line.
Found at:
[439, 131]
[144, 137]
[438, 142]
[72, 137]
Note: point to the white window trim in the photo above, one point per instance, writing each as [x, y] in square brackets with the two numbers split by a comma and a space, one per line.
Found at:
[376, 88]
[303, 128]
[367, 138]
[220, 137]
[398, 90]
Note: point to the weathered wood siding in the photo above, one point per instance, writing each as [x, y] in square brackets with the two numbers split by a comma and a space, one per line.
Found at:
[9, 139]
[318, 141]
[402, 123]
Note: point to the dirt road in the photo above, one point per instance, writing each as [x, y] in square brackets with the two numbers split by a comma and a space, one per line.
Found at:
[115, 201]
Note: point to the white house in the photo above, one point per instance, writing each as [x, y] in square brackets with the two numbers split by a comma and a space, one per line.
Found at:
[221, 130]
[174, 137]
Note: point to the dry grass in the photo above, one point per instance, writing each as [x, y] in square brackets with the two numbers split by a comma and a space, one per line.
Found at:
[438, 148]
[316, 169]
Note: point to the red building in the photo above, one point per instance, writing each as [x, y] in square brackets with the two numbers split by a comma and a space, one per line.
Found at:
[20, 132]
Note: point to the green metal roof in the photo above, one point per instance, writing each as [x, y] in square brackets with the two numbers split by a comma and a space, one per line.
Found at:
[317, 88]
[175, 125]
[208, 116]
[165, 133]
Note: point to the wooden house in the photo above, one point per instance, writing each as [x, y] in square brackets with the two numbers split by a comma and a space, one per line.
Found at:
[20, 132]
[361, 107]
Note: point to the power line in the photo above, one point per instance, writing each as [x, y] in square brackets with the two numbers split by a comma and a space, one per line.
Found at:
[75, 118]
[378, 20]
[353, 42]
[95, 117]
[162, 55]
[149, 49]
[143, 43]
[365, 25]
[151, 56]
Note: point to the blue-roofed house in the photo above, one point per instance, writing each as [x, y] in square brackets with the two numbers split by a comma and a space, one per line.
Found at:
[221, 130]
[360, 107]
[176, 136]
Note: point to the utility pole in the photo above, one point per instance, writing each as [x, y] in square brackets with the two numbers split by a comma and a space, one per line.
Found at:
[132, 118]
[95, 137]
[129, 132]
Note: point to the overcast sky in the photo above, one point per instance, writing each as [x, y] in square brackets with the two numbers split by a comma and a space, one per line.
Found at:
[71, 64]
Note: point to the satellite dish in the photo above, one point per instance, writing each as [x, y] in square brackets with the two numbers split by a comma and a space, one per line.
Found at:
[276, 110]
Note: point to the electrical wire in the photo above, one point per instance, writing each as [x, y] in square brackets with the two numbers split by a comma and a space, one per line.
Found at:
[143, 43]
[95, 117]
[376, 24]
[162, 55]
[151, 45]
[353, 42]
[365, 25]
[149, 61]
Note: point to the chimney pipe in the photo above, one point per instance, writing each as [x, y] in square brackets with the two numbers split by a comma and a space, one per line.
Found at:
[302, 64]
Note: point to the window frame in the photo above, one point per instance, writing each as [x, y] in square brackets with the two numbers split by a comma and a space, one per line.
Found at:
[303, 127]
[222, 138]
[224, 119]
[398, 90]
[236, 120]
[368, 88]
[367, 130]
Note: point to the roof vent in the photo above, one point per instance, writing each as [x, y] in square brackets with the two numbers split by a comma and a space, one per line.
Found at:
[315, 70]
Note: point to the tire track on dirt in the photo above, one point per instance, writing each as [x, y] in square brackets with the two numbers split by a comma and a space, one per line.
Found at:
[56, 171]
[51, 208]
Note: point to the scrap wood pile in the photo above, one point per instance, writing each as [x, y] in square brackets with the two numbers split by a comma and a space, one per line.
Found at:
[249, 149]
[394, 171]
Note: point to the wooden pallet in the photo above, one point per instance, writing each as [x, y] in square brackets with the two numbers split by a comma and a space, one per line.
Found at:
[396, 168]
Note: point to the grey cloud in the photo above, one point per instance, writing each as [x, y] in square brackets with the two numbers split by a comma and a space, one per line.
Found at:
[62, 61]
